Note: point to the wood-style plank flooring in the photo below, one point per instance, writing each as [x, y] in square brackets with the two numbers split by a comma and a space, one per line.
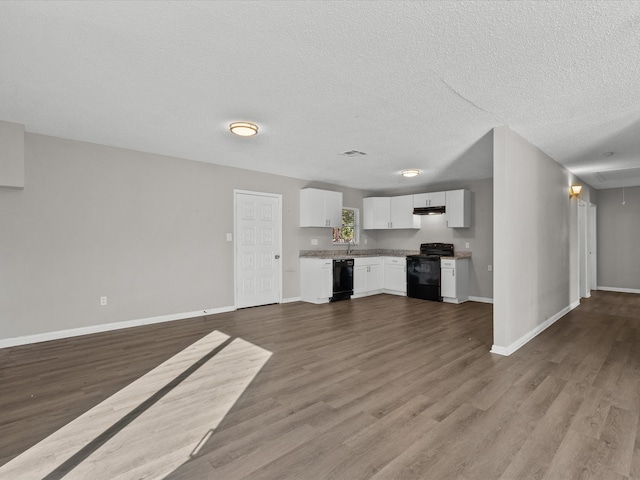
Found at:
[374, 388]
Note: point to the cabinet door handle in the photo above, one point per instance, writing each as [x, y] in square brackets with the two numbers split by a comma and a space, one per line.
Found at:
[453, 273]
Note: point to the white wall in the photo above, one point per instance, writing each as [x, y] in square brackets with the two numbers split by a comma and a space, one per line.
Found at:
[618, 234]
[536, 263]
[11, 155]
[147, 231]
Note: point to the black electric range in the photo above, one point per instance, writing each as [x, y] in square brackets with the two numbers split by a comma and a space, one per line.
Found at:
[423, 271]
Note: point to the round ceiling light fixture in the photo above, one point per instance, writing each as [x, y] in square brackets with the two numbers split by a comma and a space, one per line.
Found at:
[410, 173]
[243, 129]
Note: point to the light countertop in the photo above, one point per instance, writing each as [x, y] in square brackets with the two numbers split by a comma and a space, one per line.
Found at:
[377, 252]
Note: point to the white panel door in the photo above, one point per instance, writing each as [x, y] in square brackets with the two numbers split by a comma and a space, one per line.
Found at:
[585, 291]
[258, 245]
[593, 248]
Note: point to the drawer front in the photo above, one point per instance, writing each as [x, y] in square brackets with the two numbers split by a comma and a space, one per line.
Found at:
[447, 264]
[395, 261]
[360, 261]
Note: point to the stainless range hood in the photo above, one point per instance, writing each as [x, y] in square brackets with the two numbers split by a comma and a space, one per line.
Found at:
[429, 210]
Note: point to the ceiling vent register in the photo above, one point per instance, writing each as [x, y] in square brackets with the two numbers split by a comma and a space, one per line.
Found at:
[353, 153]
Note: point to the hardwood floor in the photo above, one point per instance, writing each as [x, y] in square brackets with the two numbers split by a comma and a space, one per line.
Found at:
[374, 388]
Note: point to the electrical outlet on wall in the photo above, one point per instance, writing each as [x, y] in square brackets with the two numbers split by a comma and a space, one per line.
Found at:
[466, 245]
[490, 268]
[103, 301]
[314, 241]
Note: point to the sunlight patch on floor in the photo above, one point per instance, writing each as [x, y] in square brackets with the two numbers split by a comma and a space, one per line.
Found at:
[162, 437]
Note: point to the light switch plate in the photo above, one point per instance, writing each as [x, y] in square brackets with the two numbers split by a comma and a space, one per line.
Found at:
[229, 237]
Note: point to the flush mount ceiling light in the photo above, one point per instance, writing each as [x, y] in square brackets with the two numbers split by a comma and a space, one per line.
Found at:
[575, 191]
[410, 173]
[243, 129]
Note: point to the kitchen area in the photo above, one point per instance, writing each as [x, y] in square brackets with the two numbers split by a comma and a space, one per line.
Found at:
[414, 245]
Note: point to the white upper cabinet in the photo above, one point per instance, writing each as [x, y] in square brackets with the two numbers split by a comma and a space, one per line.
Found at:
[433, 199]
[376, 213]
[402, 213]
[384, 213]
[458, 208]
[320, 208]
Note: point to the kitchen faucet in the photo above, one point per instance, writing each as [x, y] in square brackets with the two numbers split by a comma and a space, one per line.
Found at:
[349, 245]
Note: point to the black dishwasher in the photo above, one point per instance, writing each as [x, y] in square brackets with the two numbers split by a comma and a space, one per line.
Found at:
[342, 279]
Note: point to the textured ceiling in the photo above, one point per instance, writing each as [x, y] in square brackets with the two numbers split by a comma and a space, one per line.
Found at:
[412, 84]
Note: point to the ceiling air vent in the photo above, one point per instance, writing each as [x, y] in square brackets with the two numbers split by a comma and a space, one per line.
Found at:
[353, 153]
[600, 177]
[622, 174]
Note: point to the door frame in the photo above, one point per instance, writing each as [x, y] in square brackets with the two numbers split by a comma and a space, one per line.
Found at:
[583, 250]
[592, 246]
[278, 196]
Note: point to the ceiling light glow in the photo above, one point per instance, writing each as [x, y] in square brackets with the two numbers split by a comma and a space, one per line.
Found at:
[243, 129]
[410, 173]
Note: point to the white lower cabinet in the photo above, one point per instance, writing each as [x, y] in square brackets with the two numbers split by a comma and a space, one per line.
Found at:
[371, 275]
[316, 280]
[454, 280]
[367, 276]
[395, 275]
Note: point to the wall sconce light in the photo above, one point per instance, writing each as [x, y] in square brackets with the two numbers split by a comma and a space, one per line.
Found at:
[575, 190]
[243, 129]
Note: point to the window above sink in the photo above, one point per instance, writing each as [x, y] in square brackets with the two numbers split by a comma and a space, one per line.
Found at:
[349, 232]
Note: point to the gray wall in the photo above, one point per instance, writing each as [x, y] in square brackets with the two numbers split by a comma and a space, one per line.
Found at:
[11, 155]
[433, 229]
[536, 253]
[618, 234]
[147, 231]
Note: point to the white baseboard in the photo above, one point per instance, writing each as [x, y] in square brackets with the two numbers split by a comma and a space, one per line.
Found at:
[508, 350]
[76, 332]
[394, 292]
[618, 289]
[481, 299]
[292, 299]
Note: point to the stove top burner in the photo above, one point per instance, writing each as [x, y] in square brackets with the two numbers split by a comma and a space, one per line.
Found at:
[436, 250]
